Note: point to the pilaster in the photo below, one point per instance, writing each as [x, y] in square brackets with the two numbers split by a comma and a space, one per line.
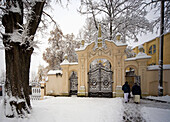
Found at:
[65, 84]
[142, 67]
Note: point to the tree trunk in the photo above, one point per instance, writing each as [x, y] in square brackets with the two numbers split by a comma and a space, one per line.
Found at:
[110, 34]
[17, 80]
[18, 57]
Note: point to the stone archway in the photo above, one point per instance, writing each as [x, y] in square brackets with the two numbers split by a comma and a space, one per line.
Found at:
[100, 57]
[131, 75]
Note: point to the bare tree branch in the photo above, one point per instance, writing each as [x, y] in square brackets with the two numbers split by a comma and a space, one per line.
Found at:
[50, 17]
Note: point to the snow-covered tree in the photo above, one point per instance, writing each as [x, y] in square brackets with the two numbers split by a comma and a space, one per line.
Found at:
[60, 44]
[34, 77]
[125, 17]
[69, 48]
[155, 7]
[2, 77]
[42, 73]
[88, 32]
[20, 20]
[53, 56]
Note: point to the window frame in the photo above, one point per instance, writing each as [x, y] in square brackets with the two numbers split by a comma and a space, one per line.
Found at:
[152, 49]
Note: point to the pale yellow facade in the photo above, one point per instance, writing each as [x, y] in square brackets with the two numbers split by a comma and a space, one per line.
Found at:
[152, 76]
[60, 85]
[114, 52]
[152, 82]
[54, 85]
[155, 56]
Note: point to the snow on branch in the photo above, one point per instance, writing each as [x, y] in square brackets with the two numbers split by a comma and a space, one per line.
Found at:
[118, 16]
[15, 8]
[50, 17]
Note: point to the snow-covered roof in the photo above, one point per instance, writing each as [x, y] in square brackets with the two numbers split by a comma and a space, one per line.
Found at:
[144, 41]
[140, 55]
[156, 67]
[53, 72]
[117, 43]
[73, 63]
[83, 47]
[42, 82]
[66, 62]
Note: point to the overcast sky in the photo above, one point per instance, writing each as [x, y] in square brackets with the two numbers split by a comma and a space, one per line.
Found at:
[70, 21]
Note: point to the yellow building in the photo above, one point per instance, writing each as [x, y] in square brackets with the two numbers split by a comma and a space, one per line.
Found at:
[152, 48]
[103, 68]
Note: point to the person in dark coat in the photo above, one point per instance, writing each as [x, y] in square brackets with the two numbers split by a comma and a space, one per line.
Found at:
[136, 91]
[126, 89]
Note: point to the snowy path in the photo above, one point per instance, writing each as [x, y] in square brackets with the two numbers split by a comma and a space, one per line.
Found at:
[132, 113]
[75, 109]
[146, 111]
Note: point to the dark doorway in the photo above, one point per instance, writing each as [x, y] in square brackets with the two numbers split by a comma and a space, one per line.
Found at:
[73, 83]
[131, 77]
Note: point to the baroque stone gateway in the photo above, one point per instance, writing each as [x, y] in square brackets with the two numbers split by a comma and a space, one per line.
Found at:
[101, 70]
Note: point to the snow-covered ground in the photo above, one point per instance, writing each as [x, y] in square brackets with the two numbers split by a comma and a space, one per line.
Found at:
[75, 109]
[163, 98]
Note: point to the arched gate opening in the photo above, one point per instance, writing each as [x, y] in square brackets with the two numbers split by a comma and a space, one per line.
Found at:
[131, 76]
[100, 78]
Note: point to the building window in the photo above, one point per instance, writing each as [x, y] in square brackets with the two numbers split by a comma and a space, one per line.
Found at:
[152, 49]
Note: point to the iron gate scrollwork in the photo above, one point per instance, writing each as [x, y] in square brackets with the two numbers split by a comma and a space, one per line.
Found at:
[73, 83]
[100, 81]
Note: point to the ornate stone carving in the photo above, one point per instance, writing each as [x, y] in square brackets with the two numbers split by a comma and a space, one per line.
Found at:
[100, 52]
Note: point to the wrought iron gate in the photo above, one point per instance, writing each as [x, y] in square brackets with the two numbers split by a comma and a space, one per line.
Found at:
[100, 81]
[73, 83]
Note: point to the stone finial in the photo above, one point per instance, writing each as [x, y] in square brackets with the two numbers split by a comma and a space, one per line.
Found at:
[140, 48]
[118, 37]
[99, 36]
[66, 57]
[82, 42]
[99, 32]
[100, 61]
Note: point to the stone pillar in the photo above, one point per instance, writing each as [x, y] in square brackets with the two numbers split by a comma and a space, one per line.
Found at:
[142, 63]
[119, 79]
[82, 88]
[42, 91]
[86, 77]
[114, 76]
[66, 83]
